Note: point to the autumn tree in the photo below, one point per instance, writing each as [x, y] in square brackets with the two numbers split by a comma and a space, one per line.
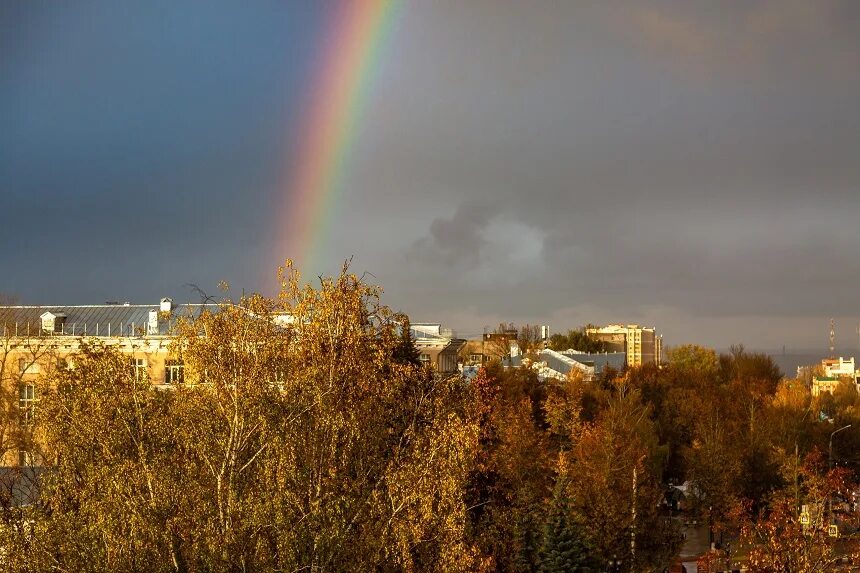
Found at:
[529, 339]
[714, 468]
[114, 494]
[512, 478]
[374, 462]
[694, 361]
[754, 370]
[554, 470]
[780, 541]
[296, 443]
[612, 481]
[25, 357]
[498, 342]
[577, 340]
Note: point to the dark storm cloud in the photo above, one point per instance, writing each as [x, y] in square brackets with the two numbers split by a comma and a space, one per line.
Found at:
[457, 241]
[140, 145]
[691, 165]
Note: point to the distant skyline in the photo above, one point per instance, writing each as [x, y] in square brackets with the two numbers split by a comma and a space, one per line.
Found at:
[691, 166]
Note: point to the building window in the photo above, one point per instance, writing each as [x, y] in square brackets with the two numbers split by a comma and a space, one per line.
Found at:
[476, 358]
[424, 358]
[27, 399]
[138, 367]
[27, 366]
[26, 458]
[174, 372]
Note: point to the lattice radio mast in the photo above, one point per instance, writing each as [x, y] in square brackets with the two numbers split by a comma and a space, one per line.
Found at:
[832, 338]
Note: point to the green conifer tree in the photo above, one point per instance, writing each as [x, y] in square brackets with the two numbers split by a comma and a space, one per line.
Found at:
[526, 540]
[563, 549]
[406, 352]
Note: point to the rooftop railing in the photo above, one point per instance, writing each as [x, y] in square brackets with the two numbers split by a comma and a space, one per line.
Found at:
[109, 329]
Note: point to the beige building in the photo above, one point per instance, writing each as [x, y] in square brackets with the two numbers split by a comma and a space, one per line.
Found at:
[34, 337]
[39, 339]
[474, 353]
[641, 344]
[437, 346]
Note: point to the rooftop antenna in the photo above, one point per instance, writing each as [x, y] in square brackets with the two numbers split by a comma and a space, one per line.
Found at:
[832, 338]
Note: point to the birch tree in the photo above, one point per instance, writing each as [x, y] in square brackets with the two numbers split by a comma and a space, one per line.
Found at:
[296, 443]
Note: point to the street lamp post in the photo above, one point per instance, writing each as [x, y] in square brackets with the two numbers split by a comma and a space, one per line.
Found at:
[830, 467]
[830, 448]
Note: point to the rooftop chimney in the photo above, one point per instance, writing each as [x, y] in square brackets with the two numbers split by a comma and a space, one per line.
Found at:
[166, 305]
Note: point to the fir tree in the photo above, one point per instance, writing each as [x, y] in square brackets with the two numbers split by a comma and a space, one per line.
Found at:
[406, 352]
[563, 549]
[526, 539]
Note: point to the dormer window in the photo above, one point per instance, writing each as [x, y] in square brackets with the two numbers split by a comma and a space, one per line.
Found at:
[53, 322]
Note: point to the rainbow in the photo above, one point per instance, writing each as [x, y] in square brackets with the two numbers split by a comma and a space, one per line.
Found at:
[352, 43]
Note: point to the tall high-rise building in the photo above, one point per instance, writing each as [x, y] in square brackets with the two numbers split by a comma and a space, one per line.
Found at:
[642, 344]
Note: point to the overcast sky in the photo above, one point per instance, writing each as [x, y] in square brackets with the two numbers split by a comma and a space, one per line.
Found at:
[694, 166]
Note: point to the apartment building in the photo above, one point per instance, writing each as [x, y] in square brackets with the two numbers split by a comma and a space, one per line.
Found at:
[36, 339]
[641, 344]
[36, 334]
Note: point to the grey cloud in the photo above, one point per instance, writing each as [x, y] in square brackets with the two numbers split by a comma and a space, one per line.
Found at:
[456, 241]
[695, 158]
[758, 41]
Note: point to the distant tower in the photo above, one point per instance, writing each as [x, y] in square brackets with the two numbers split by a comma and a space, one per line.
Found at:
[832, 338]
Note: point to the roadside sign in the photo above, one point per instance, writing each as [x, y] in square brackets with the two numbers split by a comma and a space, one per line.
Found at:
[833, 531]
[804, 518]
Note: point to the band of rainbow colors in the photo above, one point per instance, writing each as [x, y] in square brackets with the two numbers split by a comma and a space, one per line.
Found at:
[353, 41]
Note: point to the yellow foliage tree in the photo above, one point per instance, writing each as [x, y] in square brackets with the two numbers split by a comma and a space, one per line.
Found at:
[296, 443]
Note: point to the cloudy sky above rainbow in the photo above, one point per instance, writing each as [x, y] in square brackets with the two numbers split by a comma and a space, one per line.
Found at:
[690, 166]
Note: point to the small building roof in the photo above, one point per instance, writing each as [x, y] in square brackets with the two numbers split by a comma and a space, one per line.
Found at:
[599, 360]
